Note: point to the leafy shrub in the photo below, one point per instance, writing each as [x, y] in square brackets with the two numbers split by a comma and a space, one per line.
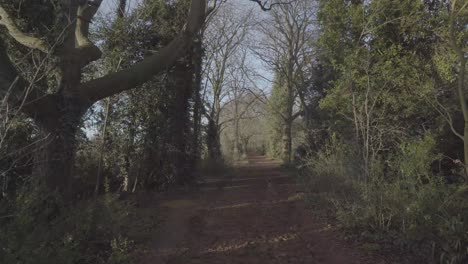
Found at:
[409, 206]
[120, 248]
[43, 229]
[328, 173]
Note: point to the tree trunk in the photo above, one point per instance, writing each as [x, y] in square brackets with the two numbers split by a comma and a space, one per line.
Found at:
[197, 113]
[236, 138]
[461, 82]
[212, 142]
[58, 115]
[102, 147]
[129, 149]
[236, 127]
[54, 161]
[287, 142]
[183, 73]
[464, 107]
[245, 146]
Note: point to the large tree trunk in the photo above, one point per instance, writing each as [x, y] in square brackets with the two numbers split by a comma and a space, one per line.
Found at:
[55, 157]
[59, 114]
[183, 73]
[197, 107]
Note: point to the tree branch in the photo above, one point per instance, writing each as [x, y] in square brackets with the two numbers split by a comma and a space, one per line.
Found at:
[296, 115]
[86, 51]
[20, 92]
[18, 35]
[264, 7]
[143, 71]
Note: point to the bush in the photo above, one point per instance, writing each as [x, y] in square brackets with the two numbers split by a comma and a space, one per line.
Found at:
[408, 206]
[328, 174]
[42, 229]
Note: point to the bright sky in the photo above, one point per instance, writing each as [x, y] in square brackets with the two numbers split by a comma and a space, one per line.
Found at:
[108, 6]
[111, 5]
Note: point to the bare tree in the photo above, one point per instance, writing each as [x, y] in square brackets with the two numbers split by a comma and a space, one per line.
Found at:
[267, 5]
[240, 107]
[287, 49]
[223, 37]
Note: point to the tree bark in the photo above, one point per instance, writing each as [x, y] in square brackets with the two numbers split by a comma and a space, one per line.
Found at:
[197, 107]
[103, 147]
[183, 73]
[129, 149]
[54, 160]
[212, 142]
[464, 106]
[236, 151]
[287, 141]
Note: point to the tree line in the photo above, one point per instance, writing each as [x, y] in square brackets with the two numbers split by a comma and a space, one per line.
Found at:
[365, 98]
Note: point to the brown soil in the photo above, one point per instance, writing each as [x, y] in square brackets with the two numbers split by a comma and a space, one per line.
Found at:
[255, 216]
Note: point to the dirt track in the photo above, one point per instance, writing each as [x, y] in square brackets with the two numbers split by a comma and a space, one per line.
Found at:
[256, 216]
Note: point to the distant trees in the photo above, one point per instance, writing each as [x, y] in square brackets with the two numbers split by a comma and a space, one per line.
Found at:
[224, 36]
[243, 116]
[287, 48]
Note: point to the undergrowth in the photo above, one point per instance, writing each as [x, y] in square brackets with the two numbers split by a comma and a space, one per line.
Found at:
[38, 227]
[401, 204]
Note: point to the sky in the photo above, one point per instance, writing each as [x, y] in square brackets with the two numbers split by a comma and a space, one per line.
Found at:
[109, 6]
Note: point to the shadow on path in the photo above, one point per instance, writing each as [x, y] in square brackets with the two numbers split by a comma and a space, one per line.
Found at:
[257, 216]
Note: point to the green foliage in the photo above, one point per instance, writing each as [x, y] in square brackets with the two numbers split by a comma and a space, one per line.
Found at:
[415, 159]
[444, 61]
[277, 108]
[42, 229]
[390, 93]
[329, 172]
[414, 209]
[148, 134]
[121, 247]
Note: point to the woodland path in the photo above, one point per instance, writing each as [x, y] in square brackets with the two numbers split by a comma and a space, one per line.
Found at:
[255, 215]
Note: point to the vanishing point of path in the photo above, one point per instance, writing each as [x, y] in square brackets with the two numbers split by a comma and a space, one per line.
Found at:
[256, 215]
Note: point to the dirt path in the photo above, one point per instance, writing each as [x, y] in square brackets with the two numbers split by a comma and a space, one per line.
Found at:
[256, 216]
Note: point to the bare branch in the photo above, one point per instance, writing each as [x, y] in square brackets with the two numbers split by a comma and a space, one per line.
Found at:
[18, 35]
[445, 113]
[267, 7]
[20, 92]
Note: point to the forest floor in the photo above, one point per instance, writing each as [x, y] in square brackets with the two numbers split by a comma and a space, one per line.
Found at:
[254, 215]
